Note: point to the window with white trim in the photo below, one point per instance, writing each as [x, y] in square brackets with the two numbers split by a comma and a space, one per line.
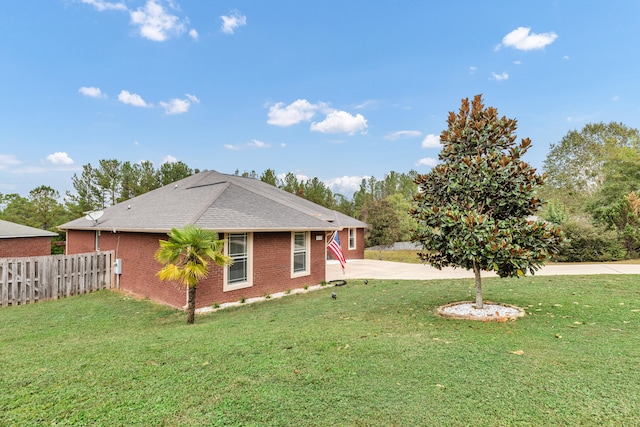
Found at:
[97, 240]
[300, 253]
[352, 238]
[239, 246]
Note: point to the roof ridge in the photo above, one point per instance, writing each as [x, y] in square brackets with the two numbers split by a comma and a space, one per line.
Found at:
[289, 199]
[212, 200]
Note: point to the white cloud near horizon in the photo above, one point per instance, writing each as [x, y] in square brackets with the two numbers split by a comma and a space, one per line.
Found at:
[298, 111]
[232, 22]
[341, 122]
[134, 99]
[169, 159]
[60, 158]
[431, 141]
[427, 161]
[8, 160]
[523, 39]
[402, 134]
[345, 185]
[92, 92]
[254, 143]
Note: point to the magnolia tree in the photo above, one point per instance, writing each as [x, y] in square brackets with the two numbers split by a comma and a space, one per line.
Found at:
[475, 208]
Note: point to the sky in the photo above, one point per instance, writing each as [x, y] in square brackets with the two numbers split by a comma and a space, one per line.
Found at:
[340, 90]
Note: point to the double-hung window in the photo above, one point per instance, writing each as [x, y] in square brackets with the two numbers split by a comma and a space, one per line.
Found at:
[352, 238]
[239, 274]
[300, 253]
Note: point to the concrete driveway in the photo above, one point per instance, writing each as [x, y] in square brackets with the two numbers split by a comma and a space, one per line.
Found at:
[373, 269]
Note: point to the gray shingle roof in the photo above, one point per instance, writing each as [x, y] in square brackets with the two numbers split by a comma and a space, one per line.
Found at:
[219, 202]
[9, 230]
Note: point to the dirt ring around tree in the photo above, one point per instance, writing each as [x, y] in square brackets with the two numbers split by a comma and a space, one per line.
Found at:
[491, 311]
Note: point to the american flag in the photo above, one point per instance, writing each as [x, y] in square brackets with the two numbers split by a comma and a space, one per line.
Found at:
[334, 247]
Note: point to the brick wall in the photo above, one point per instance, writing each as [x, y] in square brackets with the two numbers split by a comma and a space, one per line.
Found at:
[25, 247]
[358, 252]
[271, 266]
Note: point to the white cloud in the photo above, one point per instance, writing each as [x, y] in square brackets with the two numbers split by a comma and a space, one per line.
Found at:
[294, 113]
[60, 158]
[233, 21]
[254, 143]
[101, 5]
[615, 98]
[566, 57]
[517, 62]
[341, 122]
[299, 177]
[472, 69]
[93, 92]
[499, 77]
[345, 185]
[523, 39]
[155, 23]
[427, 161]
[403, 134]
[175, 106]
[369, 104]
[302, 110]
[179, 106]
[169, 159]
[431, 141]
[132, 99]
[8, 160]
[258, 144]
[192, 98]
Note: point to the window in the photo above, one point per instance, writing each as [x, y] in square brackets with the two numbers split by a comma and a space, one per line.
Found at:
[98, 240]
[300, 253]
[352, 238]
[239, 274]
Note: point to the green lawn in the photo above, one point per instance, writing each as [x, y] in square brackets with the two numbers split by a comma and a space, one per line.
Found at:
[375, 356]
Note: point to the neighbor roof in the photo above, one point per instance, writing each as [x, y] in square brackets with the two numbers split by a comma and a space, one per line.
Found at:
[219, 202]
[10, 230]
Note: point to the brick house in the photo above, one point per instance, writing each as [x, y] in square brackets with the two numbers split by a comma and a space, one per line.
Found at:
[18, 240]
[277, 240]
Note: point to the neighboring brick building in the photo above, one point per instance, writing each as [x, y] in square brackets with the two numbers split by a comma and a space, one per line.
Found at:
[278, 240]
[21, 241]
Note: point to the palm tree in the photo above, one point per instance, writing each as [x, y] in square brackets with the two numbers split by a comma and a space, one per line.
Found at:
[186, 256]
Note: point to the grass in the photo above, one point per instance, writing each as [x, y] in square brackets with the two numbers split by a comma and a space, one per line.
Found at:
[410, 256]
[376, 355]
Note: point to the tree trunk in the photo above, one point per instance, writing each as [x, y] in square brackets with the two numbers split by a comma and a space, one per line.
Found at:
[476, 272]
[191, 306]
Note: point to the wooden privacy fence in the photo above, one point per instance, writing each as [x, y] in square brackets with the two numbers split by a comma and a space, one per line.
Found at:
[32, 279]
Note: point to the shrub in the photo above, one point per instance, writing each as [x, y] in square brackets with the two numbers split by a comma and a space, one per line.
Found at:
[585, 242]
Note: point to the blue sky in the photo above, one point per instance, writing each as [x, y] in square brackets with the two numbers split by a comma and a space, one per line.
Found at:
[338, 90]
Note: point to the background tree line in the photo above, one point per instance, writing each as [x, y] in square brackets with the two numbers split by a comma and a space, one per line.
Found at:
[593, 179]
[592, 189]
[97, 187]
